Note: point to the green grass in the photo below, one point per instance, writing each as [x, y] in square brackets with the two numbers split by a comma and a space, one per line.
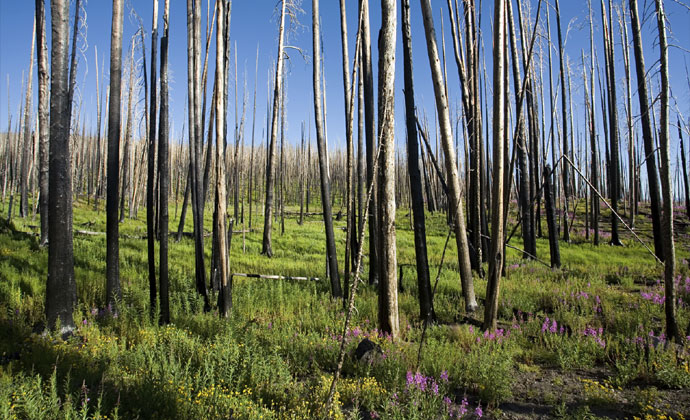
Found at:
[275, 355]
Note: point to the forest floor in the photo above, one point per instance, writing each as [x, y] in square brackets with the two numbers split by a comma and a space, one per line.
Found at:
[585, 341]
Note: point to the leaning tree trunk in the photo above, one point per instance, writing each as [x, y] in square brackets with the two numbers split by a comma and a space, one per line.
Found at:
[456, 211]
[113, 293]
[61, 288]
[151, 174]
[647, 136]
[388, 281]
[672, 330]
[27, 149]
[426, 307]
[496, 255]
[164, 174]
[267, 245]
[43, 118]
[320, 141]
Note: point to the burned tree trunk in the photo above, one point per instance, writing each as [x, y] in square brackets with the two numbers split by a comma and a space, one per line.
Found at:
[456, 211]
[320, 142]
[113, 293]
[267, 245]
[672, 330]
[61, 288]
[163, 175]
[426, 308]
[151, 175]
[27, 148]
[496, 255]
[43, 118]
[551, 219]
[388, 281]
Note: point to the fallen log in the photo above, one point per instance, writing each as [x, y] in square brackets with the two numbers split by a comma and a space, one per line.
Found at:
[274, 277]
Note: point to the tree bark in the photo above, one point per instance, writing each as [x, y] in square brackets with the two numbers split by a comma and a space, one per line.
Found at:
[647, 136]
[151, 175]
[496, 255]
[43, 118]
[320, 142]
[61, 288]
[672, 330]
[456, 211]
[388, 281]
[113, 292]
[426, 307]
[163, 175]
[28, 141]
[267, 245]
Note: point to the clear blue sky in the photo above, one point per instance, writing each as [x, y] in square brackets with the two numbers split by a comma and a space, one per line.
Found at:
[255, 23]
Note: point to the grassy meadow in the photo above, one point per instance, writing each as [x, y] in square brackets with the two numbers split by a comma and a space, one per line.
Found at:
[582, 342]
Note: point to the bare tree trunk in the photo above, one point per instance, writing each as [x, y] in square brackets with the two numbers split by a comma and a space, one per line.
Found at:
[28, 143]
[551, 219]
[458, 217]
[195, 135]
[614, 170]
[126, 156]
[685, 171]
[267, 246]
[113, 293]
[564, 122]
[43, 118]
[164, 175]
[320, 141]
[151, 175]
[388, 281]
[250, 195]
[61, 288]
[370, 124]
[496, 255]
[631, 134]
[647, 136]
[426, 307]
[593, 133]
[221, 205]
[672, 330]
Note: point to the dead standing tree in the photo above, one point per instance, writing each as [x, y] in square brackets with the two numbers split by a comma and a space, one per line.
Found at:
[43, 117]
[61, 288]
[496, 255]
[267, 245]
[647, 136]
[456, 211]
[388, 281]
[323, 169]
[195, 141]
[672, 329]
[112, 228]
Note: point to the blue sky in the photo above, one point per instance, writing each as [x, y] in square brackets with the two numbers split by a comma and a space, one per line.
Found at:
[255, 23]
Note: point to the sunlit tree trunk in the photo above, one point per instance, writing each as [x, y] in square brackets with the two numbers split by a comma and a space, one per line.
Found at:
[388, 280]
[672, 330]
[455, 203]
[43, 118]
[496, 255]
[28, 141]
